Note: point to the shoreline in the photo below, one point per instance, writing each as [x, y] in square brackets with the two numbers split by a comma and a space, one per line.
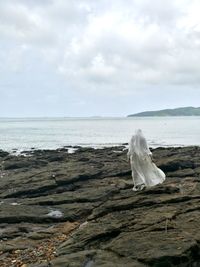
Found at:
[62, 209]
[18, 151]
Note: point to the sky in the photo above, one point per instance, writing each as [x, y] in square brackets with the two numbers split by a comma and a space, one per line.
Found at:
[98, 58]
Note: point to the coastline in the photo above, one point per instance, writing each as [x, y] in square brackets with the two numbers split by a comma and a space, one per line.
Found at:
[72, 148]
[78, 209]
[56, 133]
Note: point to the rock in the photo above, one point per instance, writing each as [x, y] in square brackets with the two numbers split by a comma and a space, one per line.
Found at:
[61, 209]
[3, 153]
[94, 259]
[166, 249]
[11, 165]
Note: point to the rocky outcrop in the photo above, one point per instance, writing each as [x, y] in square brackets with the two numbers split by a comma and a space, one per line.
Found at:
[59, 209]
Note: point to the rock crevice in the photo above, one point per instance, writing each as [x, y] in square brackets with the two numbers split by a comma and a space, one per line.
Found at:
[59, 209]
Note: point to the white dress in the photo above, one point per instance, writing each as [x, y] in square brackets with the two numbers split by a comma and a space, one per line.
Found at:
[144, 171]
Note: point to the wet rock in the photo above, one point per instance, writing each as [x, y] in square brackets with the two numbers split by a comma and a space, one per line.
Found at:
[3, 153]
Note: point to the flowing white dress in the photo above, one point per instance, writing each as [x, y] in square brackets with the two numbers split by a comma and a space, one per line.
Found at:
[144, 171]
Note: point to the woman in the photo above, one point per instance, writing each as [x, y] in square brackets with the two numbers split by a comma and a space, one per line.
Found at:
[144, 171]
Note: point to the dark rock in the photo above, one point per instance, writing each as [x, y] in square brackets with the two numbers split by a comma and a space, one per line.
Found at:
[11, 165]
[44, 189]
[3, 153]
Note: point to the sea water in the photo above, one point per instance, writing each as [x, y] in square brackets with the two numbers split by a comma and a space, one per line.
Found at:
[51, 133]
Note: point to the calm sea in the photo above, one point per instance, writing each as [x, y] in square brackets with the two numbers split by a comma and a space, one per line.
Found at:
[51, 133]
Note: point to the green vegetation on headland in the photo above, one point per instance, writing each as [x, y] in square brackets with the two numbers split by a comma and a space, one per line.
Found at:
[186, 111]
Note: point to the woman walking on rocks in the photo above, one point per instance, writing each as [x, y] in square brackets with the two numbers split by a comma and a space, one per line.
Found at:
[144, 172]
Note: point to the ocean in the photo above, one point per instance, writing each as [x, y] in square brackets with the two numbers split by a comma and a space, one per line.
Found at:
[51, 133]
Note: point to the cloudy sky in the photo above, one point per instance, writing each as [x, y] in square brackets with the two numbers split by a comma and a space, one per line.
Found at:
[90, 58]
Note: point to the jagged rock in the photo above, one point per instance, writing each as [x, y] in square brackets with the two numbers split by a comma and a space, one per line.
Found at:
[46, 191]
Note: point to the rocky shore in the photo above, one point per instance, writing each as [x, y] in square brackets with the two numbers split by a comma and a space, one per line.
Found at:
[78, 210]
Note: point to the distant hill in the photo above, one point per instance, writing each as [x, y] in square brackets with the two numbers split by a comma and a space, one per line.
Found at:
[186, 111]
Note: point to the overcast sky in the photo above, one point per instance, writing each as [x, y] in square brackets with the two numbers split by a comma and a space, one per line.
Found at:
[89, 58]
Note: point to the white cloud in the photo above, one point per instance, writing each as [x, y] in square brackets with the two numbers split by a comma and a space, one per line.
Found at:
[104, 46]
[141, 43]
